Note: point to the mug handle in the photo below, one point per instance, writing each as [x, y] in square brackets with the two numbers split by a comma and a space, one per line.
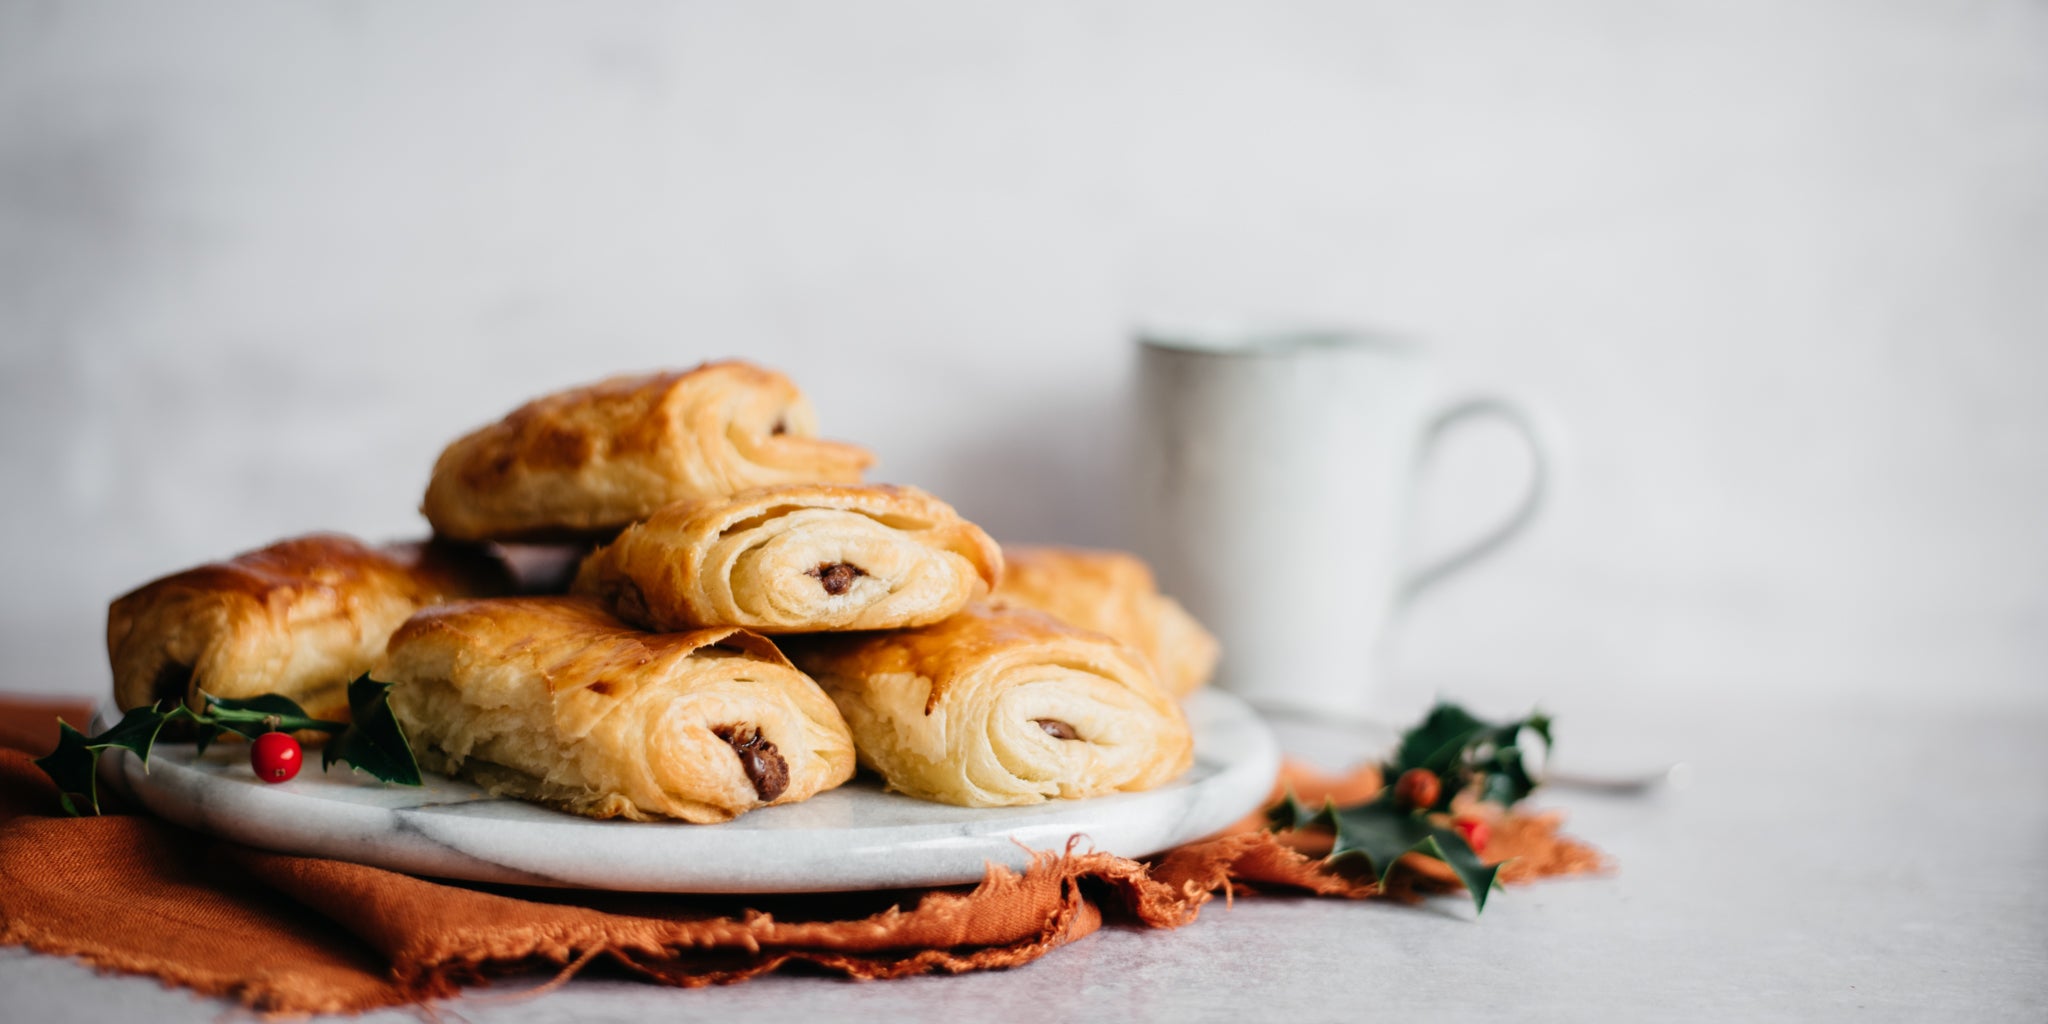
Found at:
[1525, 511]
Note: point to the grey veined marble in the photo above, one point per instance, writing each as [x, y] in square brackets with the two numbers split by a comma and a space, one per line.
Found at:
[854, 837]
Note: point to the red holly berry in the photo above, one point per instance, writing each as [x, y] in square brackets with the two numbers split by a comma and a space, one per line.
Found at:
[1475, 832]
[275, 756]
[1418, 787]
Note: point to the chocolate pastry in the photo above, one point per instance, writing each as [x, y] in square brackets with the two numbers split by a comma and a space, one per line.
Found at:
[584, 462]
[796, 559]
[554, 700]
[1112, 592]
[301, 618]
[998, 706]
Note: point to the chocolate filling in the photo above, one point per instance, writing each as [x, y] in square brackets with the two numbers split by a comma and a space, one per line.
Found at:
[781, 428]
[837, 577]
[173, 682]
[1057, 729]
[625, 597]
[764, 767]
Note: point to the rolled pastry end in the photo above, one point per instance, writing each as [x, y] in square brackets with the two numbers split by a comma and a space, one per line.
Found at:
[1003, 706]
[799, 559]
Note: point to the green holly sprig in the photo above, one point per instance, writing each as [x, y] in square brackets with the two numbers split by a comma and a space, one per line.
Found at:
[1448, 753]
[372, 742]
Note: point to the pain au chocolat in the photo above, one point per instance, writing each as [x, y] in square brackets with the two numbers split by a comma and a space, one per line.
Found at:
[587, 461]
[1112, 592]
[554, 700]
[796, 559]
[1001, 706]
[302, 618]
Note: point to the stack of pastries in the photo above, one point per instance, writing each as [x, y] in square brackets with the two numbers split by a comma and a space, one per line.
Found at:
[747, 621]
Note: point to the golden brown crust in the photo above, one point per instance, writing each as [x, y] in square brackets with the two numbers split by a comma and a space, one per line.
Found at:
[302, 617]
[589, 460]
[796, 559]
[1001, 705]
[1112, 592]
[553, 699]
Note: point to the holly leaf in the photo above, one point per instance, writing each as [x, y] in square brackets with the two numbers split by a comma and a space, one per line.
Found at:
[1449, 846]
[136, 731]
[255, 716]
[205, 736]
[1497, 759]
[73, 766]
[1465, 753]
[1463, 750]
[1437, 742]
[373, 742]
[1290, 814]
[1380, 832]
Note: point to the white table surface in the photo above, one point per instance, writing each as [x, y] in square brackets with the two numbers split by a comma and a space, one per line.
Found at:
[1874, 863]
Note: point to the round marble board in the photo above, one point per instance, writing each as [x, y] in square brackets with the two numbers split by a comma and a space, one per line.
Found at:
[853, 837]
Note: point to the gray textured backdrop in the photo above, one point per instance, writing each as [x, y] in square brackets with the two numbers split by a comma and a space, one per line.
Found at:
[1779, 273]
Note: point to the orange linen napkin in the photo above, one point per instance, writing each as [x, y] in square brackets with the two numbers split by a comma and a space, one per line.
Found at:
[294, 934]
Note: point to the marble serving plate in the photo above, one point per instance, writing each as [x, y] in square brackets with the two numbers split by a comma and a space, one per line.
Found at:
[854, 837]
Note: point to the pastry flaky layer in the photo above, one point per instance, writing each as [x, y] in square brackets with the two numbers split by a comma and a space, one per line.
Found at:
[302, 618]
[1112, 592]
[553, 699]
[589, 460]
[796, 559]
[998, 706]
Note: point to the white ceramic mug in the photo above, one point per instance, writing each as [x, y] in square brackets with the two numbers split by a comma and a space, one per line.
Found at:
[1276, 472]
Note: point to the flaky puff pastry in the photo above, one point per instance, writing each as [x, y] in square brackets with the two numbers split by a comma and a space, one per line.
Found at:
[796, 559]
[1112, 592]
[552, 699]
[1000, 706]
[302, 618]
[591, 459]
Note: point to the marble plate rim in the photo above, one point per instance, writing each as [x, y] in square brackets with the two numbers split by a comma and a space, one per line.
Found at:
[348, 817]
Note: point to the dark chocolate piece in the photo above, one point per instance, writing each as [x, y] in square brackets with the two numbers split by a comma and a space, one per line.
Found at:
[837, 577]
[765, 767]
[1057, 729]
